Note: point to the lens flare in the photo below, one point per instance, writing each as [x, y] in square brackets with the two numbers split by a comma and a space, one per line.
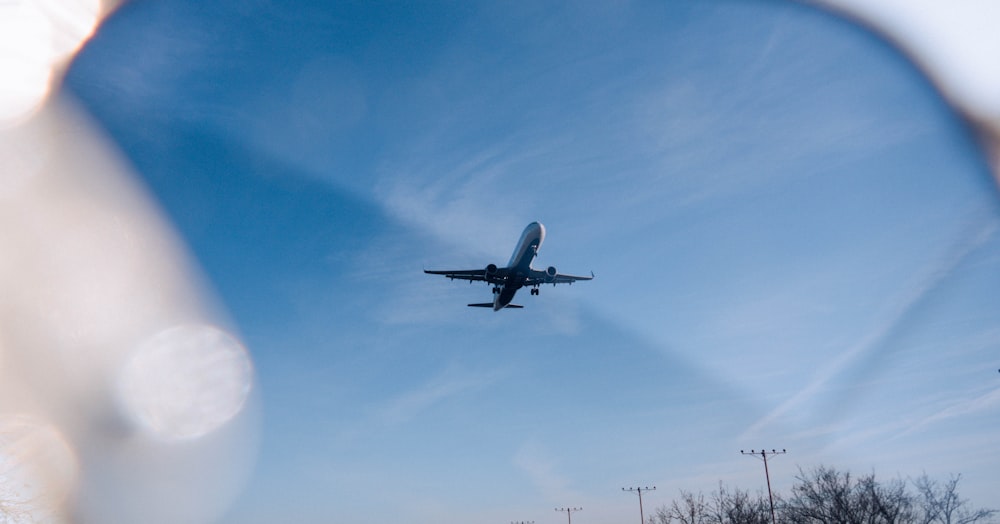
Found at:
[185, 382]
[35, 36]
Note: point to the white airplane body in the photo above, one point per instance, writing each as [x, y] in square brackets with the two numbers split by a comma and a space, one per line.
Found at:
[506, 281]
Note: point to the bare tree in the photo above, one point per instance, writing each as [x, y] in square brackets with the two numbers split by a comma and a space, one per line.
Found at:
[939, 503]
[660, 516]
[825, 495]
[822, 496]
[828, 496]
[722, 507]
[691, 510]
[886, 502]
[739, 507]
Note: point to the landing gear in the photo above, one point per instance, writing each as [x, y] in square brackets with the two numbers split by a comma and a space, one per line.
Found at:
[534, 291]
[496, 289]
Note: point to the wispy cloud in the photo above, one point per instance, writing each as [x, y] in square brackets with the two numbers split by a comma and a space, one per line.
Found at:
[905, 303]
[465, 213]
[448, 384]
[960, 408]
[542, 470]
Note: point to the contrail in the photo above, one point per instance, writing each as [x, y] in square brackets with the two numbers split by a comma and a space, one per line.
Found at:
[874, 339]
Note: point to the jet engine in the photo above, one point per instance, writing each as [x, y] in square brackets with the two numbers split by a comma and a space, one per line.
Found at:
[491, 271]
[550, 274]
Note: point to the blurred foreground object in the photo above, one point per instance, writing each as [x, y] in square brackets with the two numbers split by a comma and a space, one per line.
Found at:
[956, 45]
[121, 398]
[37, 38]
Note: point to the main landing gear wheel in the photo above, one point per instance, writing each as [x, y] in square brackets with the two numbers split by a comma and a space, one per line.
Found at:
[534, 291]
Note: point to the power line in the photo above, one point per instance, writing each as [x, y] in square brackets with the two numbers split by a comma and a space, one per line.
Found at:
[639, 491]
[569, 513]
[763, 454]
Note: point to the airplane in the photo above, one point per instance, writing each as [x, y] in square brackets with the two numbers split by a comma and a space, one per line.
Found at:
[518, 273]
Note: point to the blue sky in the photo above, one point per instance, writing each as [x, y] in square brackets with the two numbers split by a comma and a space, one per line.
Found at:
[796, 246]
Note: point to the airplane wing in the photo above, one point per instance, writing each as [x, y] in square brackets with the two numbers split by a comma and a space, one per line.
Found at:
[490, 304]
[538, 277]
[472, 275]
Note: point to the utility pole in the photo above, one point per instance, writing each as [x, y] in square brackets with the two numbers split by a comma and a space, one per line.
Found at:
[642, 518]
[569, 513]
[763, 454]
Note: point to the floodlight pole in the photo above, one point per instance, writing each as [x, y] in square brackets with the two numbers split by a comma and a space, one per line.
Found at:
[642, 518]
[767, 475]
[569, 513]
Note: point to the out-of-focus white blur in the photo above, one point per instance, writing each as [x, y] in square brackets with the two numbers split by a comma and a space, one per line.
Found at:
[956, 43]
[36, 38]
[121, 398]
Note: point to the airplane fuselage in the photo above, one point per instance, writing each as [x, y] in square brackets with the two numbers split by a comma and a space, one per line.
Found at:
[519, 266]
